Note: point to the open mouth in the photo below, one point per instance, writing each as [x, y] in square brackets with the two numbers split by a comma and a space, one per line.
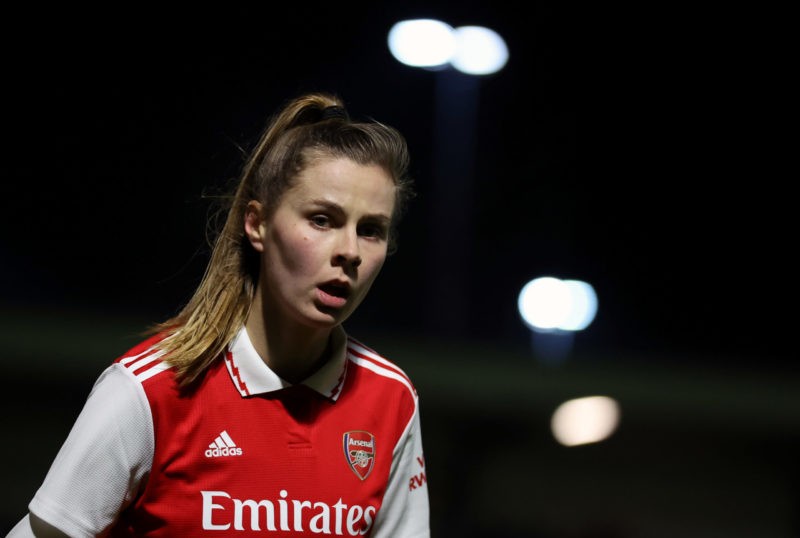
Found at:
[336, 290]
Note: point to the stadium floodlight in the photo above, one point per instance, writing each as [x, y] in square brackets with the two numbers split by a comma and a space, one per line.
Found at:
[456, 57]
[422, 42]
[479, 50]
[433, 44]
[552, 304]
[585, 420]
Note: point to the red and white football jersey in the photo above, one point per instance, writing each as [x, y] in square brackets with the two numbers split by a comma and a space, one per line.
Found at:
[244, 453]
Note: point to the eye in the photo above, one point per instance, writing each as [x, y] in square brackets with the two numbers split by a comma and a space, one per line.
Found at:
[372, 231]
[320, 221]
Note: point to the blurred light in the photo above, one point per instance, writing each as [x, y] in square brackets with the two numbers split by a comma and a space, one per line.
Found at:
[479, 50]
[585, 420]
[474, 50]
[584, 306]
[549, 303]
[544, 302]
[422, 42]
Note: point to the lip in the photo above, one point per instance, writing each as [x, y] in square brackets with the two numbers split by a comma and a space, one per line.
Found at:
[333, 293]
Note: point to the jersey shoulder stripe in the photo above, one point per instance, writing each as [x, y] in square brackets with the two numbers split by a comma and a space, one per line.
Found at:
[365, 352]
[369, 359]
[145, 360]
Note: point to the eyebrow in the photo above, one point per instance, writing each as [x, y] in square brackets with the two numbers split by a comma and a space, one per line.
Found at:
[333, 206]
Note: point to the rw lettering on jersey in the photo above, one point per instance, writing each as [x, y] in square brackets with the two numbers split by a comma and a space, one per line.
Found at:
[419, 480]
[221, 512]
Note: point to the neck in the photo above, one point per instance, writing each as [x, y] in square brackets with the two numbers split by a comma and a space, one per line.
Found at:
[291, 350]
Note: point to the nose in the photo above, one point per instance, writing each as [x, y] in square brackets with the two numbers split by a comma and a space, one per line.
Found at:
[347, 252]
[342, 260]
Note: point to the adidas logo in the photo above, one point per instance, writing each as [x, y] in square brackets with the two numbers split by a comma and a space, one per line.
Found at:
[223, 445]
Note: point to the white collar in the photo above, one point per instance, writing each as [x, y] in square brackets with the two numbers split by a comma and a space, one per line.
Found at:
[251, 375]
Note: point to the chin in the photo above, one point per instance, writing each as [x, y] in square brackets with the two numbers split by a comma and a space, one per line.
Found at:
[325, 318]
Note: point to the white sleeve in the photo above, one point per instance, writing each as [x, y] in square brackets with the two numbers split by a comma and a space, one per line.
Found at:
[103, 461]
[405, 510]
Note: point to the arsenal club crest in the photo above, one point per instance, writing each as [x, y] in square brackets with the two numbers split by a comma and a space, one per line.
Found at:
[359, 452]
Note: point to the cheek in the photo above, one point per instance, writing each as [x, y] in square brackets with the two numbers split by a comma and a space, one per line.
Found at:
[302, 254]
[372, 268]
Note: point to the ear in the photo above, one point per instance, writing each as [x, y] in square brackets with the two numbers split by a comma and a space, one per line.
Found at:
[254, 226]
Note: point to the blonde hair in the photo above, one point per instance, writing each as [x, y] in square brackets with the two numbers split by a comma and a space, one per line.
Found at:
[306, 127]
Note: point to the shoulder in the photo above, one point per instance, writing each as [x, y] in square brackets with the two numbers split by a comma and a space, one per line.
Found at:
[144, 361]
[367, 358]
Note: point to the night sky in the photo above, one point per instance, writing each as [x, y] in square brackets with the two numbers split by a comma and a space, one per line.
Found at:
[632, 156]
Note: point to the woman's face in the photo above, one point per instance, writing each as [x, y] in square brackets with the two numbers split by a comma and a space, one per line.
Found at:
[325, 243]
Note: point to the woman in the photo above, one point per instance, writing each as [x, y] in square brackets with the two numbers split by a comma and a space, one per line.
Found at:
[252, 411]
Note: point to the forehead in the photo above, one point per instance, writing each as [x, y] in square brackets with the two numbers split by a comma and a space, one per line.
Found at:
[347, 183]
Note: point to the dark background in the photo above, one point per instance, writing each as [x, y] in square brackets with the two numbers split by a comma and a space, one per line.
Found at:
[644, 152]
